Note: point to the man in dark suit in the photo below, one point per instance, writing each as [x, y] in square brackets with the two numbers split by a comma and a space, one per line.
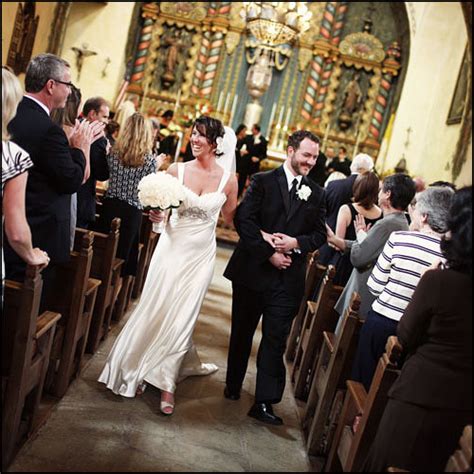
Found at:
[279, 221]
[95, 109]
[59, 165]
[255, 150]
[339, 192]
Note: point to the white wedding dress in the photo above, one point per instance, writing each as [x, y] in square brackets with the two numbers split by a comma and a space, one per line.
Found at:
[155, 346]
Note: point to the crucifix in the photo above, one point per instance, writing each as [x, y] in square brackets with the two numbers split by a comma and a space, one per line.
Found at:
[407, 142]
[81, 53]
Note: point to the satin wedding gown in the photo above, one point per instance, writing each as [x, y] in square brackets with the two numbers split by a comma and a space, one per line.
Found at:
[155, 345]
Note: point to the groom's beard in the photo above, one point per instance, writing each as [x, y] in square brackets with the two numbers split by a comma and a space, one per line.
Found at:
[301, 168]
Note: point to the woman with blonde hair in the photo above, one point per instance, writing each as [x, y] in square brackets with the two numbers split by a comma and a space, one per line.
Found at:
[15, 163]
[130, 160]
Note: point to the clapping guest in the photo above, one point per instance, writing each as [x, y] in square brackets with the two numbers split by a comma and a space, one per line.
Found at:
[431, 401]
[15, 163]
[129, 161]
[405, 257]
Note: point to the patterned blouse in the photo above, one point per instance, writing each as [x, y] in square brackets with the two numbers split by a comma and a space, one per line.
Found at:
[15, 161]
[123, 180]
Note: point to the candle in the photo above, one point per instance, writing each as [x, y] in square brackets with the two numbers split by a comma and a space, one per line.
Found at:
[356, 148]
[232, 111]
[326, 134]
[280, 117]
[227, 101]
[288, 115]
[219, 102]
[272, 114]
[178, 146]
[176, 105]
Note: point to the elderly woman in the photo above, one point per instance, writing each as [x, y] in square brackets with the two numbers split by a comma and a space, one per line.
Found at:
[404, 259]
[431, 401]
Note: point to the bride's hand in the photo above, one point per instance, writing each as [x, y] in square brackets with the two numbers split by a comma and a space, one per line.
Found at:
[268, 238]
[156, 216]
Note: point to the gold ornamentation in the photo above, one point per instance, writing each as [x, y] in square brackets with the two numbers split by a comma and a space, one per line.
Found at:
[310, 36]
[364, 46]
[304, 57]
[190, 10]
[232, 40]
[236, 22]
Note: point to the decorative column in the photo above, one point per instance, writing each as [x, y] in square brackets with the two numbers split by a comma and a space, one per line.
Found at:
[143, 50]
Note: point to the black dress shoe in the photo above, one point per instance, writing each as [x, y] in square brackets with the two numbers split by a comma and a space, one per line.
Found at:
[231, 395]
[264, 412]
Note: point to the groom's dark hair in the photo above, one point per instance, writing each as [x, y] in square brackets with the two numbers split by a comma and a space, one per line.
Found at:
[296, 138]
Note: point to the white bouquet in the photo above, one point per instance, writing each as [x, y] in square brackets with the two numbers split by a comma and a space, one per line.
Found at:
[160, 191]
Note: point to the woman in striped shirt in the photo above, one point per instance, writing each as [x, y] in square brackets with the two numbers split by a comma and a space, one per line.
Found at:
[404, 259]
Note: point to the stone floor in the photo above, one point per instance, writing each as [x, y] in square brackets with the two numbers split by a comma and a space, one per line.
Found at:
[93, 430]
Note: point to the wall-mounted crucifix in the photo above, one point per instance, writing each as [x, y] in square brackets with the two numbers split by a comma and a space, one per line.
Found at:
[82, 53]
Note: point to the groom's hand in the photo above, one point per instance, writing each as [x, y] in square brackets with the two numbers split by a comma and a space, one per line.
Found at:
[280, 261]
[284, 243]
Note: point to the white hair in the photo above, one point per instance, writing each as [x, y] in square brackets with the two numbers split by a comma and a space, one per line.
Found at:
[362, 163]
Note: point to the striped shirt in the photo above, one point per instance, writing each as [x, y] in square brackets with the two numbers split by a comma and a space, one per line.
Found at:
[393, 280]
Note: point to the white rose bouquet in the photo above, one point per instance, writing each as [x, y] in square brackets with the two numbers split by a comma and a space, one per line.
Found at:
[160, 191]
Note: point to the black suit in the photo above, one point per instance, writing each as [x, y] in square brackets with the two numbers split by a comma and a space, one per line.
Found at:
[258, 150]
[86, 195]
[338, 193]
[57, 173]
[259, 287]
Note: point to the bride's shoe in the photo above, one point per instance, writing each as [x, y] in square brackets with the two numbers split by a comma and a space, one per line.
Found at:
[167, 403]
[141, 389]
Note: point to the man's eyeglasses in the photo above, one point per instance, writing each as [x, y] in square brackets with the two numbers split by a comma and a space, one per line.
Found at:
[69, 84]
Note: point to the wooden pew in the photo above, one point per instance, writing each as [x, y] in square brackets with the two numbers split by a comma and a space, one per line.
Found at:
[349, 449]
[314, 274]
[74, 298]
[332, 370]
[320, 316]
[105, 267]
[26, 346]
[148, 239]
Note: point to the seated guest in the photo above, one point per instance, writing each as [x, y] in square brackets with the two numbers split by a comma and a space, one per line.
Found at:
[59, 164]
[365, 197]
[339, 192]
[405, 257]
[129, 161]
[396, 193]
[431, 401]
[15, 164]
[95, 109]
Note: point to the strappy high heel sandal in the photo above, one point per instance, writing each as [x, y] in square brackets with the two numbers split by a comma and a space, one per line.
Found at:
[167, 403]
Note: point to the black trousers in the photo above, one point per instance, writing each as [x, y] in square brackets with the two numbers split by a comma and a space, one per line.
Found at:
[278, 309]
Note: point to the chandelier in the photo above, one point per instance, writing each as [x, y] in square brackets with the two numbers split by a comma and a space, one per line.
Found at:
[276, 23]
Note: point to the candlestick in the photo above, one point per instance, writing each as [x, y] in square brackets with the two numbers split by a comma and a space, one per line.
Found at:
[176, 105]
[227, 102]
[219, 102]
[356, 148]
[272, 114]
[287, 121]
[178, 146]
[232, 110]
[326, 134]
[280, 117]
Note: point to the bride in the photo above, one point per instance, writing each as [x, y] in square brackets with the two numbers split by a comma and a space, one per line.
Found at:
[155, 346]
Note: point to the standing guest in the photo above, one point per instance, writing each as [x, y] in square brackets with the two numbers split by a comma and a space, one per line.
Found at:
[168, 140]
[129, 161]
[280, 220]
[59, 164]
[96, 109]
[242, 158]
[318, 171]
[66, 118]
[256, 149]
[341, 163]
[155, 346]
[340, 192]
[365, 197]
[396, 193]
[15, 163]
[404, 258]
[431, 401]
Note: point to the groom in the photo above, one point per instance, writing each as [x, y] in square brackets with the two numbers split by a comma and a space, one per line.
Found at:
[279, 221]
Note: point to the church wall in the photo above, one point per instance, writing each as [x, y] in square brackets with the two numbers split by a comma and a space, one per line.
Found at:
[104, 28]
[45, 11]
[438, 42]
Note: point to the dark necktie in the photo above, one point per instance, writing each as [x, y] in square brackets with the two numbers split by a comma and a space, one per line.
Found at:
[293, 192]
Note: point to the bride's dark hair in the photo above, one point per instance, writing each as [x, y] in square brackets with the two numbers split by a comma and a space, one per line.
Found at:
[211, 128]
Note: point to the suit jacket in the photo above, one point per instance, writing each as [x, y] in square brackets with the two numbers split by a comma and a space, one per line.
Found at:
[99, 172]
[266, 207]
[256, 149]
[57, 173]
[338, 193]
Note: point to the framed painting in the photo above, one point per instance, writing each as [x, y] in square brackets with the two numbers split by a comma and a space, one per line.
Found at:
[460, 91]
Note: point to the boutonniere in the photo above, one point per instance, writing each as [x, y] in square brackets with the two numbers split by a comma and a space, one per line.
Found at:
[304, 192]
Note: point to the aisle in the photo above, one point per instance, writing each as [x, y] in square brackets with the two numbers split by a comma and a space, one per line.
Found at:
[92, 430]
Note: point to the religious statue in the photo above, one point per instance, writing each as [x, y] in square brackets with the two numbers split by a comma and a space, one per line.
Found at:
[174, 43]
[351, 102]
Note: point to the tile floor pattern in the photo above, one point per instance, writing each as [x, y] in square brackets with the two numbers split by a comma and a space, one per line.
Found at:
[93, 430]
